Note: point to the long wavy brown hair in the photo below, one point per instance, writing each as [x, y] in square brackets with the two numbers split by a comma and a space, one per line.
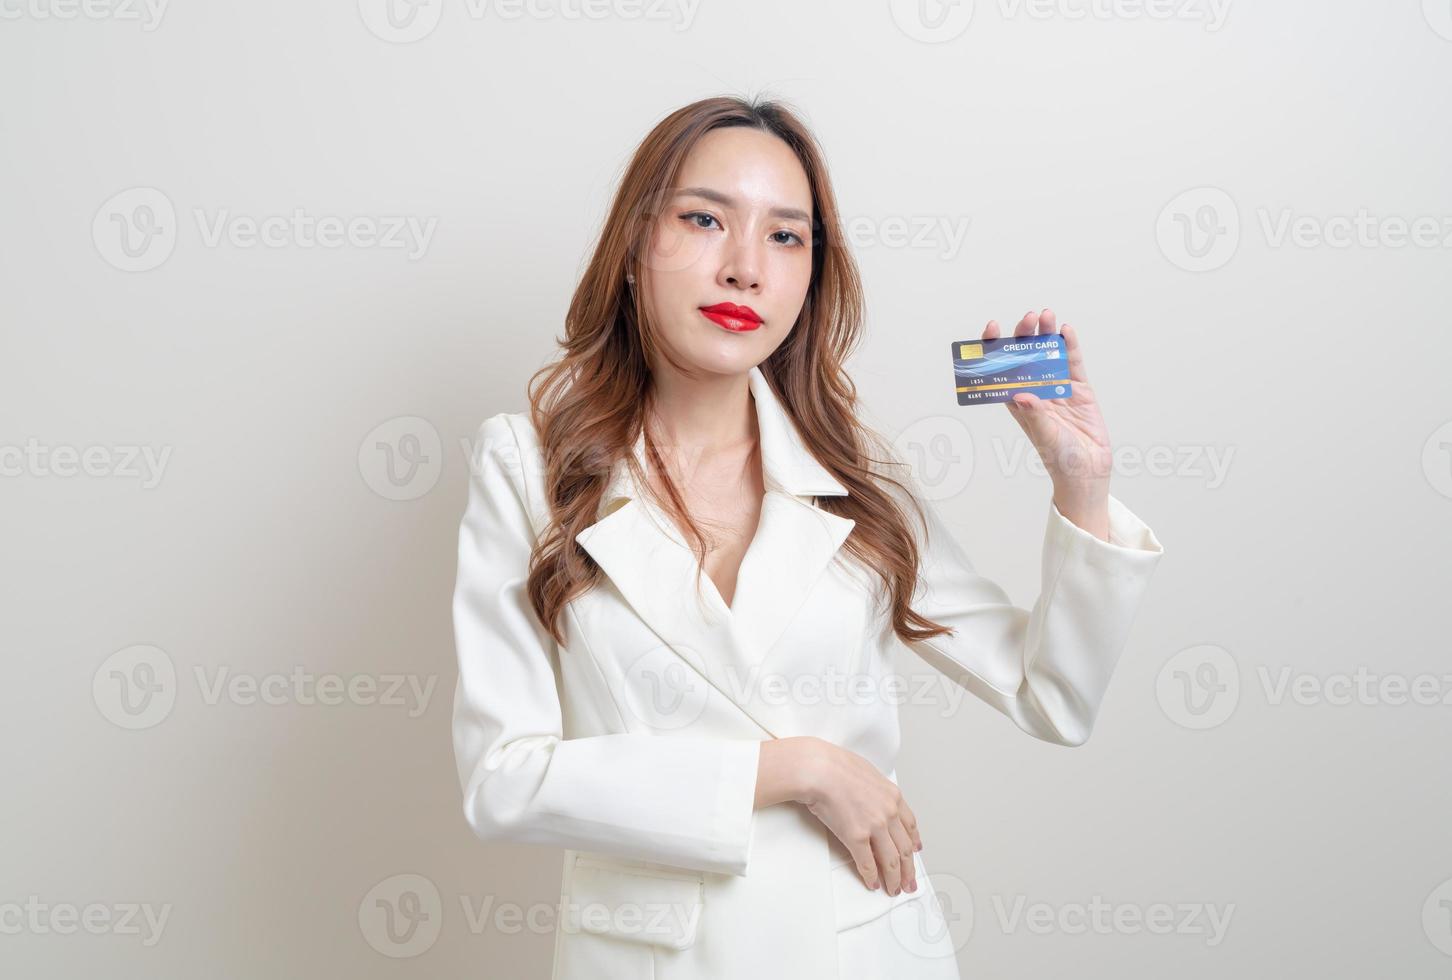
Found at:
[589, 405]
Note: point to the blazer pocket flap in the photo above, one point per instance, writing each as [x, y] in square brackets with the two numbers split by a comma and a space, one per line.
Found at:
[635, 904]
[856, 903]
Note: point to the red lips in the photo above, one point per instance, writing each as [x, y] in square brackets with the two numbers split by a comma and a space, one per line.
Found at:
[732, 317]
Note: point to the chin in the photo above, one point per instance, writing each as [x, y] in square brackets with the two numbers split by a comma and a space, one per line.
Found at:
[726, 356]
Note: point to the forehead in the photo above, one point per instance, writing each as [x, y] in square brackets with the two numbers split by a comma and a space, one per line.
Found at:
[755, 167]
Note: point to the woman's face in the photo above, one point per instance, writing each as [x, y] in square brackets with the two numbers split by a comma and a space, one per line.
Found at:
[736, 230]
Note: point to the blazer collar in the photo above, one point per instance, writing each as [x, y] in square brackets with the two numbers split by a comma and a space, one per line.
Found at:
[646, 557]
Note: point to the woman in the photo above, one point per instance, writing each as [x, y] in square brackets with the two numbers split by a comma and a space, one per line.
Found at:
[661, 703]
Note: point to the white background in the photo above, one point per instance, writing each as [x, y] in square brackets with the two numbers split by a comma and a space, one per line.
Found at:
[1129, 170]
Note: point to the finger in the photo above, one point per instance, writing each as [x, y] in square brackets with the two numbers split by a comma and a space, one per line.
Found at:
[1027, 325]
[866, 863]
[990, 332]
[888, 860]
[1047, 321]
[1025, 408]
[1075, 351]
[905, 855]
[910, 822]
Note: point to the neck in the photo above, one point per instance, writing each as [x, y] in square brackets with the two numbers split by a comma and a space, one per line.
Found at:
[695, 420]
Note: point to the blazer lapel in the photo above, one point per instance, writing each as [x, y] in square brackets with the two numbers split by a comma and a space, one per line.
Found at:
[647, 558]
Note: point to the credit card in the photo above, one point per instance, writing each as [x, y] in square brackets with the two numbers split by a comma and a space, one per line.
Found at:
[988, 371]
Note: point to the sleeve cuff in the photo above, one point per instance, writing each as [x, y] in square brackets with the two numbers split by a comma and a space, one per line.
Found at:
[1128, 535]
[736, 803]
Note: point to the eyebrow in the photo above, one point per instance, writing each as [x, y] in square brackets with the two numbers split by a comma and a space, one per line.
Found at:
[725, 200]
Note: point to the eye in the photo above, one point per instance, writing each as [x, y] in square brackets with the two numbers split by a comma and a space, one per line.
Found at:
[691, 215]
[794, 240]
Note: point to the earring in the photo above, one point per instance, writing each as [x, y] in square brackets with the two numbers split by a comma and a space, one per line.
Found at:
[630, 278]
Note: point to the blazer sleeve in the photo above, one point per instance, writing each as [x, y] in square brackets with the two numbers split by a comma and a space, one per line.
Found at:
[681, 800]
[1046, 667]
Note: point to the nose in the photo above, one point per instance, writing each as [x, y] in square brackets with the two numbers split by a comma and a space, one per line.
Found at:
[742, 268]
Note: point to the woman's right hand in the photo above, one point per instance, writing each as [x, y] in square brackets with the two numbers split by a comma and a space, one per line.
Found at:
[863, 808]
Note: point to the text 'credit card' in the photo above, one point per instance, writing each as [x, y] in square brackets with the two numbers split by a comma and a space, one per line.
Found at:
[988, 371]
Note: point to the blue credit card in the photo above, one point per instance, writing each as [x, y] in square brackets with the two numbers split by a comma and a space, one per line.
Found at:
[988, 371]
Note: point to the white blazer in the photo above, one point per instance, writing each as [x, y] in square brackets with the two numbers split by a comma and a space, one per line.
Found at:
[634, 746]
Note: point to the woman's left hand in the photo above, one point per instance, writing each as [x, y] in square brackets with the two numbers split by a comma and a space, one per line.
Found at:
[1068, 433]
